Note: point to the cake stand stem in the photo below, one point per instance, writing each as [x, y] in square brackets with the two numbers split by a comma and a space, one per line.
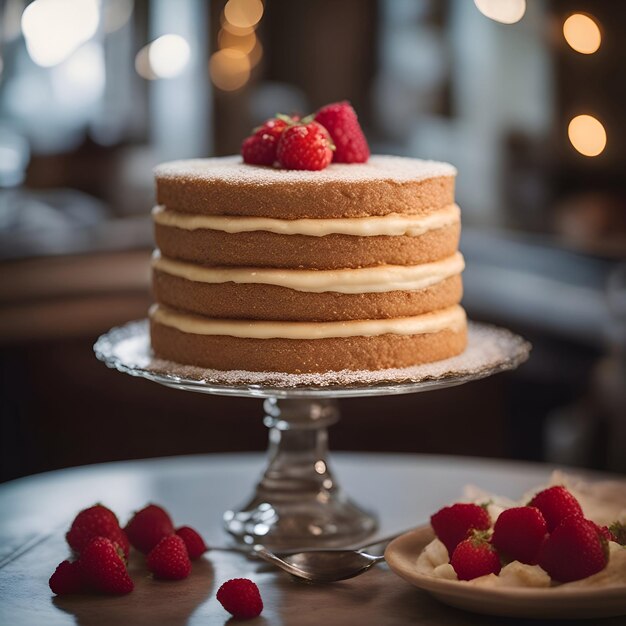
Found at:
[297, 503]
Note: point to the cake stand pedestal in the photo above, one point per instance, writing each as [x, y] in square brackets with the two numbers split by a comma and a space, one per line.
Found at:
[298, 502]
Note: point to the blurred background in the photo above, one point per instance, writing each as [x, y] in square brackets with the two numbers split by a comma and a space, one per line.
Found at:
[527, 99]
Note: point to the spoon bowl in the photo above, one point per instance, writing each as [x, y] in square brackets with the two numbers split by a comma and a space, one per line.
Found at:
[321, 566]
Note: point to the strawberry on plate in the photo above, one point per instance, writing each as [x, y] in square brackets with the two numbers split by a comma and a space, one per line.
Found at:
[475, 557]
[453, 523]
[519, 533]
[556, 503]
[574, 550]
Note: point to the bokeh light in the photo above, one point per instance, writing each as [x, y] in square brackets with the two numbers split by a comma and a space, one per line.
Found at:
[116, 14]
[582, 33]
[587, 135]
[504, 11]
[142, 64]
[54, 29]
[229, 69]
[168, 56]
[236, 30]
[243, 13]
[244, 43]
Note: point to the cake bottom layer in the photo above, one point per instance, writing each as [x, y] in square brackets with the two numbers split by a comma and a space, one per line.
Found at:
[300, 356]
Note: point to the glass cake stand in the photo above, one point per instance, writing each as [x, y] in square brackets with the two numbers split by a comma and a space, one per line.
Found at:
[298, 502]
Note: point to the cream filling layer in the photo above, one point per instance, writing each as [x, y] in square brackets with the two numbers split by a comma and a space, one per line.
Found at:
[391, 225]
[452, 318]
[377, 279]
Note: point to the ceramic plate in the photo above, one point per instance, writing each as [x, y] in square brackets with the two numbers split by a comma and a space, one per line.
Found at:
[555, 602]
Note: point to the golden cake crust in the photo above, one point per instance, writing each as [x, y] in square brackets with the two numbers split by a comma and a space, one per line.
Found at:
[270, 302]
[302, 355]
[384, 185]
[265, 249]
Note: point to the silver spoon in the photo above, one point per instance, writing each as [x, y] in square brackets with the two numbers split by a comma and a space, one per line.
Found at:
[323, 566]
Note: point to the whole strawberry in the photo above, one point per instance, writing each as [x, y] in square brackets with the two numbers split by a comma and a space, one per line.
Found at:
[193, 541]
[148, 526]
[340, 120]
[556, 503]
[169, 559]
[519, 533]
[102, 567]
[67, 579]
[96, 521]
[574, 550]
[305, 146]
[241, 598]
[260, 147]
[475, 557]
[453, 523]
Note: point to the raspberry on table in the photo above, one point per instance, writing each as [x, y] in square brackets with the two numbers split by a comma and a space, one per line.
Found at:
[67, 579]
[169, 559]
[96, 521]
[241, 598]
[453, 523]
[148, 526]
[519, 533]
[574, 550]
[193, 541]
[103, 569]
[556, 503]
[475, 557]
[341, 121]
[305, 147]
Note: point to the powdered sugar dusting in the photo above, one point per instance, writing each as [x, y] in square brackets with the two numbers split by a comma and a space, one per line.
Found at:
[489, 351]
[233, 170]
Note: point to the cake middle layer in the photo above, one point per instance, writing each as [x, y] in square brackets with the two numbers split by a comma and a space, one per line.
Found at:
[380, 292]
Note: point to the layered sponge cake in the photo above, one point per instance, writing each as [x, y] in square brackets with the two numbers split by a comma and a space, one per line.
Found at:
[355, 267]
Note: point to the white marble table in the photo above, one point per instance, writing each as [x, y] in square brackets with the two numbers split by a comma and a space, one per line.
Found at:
[403, 489]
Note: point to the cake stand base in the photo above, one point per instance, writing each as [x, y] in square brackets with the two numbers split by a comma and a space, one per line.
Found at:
[298, 503]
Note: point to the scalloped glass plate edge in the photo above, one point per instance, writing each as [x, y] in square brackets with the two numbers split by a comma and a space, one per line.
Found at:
[127, 349]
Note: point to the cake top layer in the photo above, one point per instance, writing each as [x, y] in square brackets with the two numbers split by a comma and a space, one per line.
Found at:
[232, 169]
[383, 185]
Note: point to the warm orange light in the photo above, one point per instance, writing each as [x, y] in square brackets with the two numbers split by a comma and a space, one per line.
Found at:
[245, 43]
[582, 33]
[229, 69]
[587, 135]
[236, 30]
[256, 54]
[243, 13]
